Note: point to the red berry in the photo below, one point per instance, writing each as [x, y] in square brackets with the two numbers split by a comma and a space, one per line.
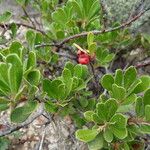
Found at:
[84, 59]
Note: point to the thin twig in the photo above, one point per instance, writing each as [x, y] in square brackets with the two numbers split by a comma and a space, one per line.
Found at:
[24, 124]
[42, 140]
[138, 121]
[142, 64]
[27, 15]
[104, 31]
[4, 31]
[136, 9]
[96, 82]
[95, 32]
[8, 25]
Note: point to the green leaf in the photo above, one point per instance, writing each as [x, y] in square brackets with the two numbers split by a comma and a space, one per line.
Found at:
[85, 72]
[78, 8]
[119, 77]
[31, 63]
[139, 107]
[80, 122]
[144, 85]
[49, 89]
[97, 143]
[4, 104]
[20, 93]
[92, 48]
[13, 28]
[103, 112]
[83, 102]
[15, 72]
[4, 82]
[124, 146]
[118, 92]
[33, 91]
[62, 92]
[103, 98]
[146, 98]
[4, 143]
[107, 81]
[87, 5]
[91, 104]
[75, 83]
[129, 77]
[113, 106]
[89, 115]
[109, 58]
[33, 77]
[68, 80]
[5, 16]
[4, 73]
[94, 9]
[20, 114]
[16, 47]
[38, 38]
[103, 56]
[55, 89]
[96, 119]
[147, 112]
[50, 107]
[30, 37]
[80, 71]
[60, 16]
[145, 129]
[131, 89]
[81, 85]
[118, 126]
[125, 108]
[66, 75]
[108, 135]
[60, 34]
[130, 99]
[86, 135]
[70, 66]
[90, 38]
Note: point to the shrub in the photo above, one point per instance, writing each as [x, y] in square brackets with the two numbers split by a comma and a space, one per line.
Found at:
[68, 65]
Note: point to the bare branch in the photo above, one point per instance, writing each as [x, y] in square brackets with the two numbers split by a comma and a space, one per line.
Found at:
[24, 124]
[95, 82]
[138, 7]
[143, 64]
[137, 121]
[123, 25]
[104, 31]
[25, 12]
[24, 25]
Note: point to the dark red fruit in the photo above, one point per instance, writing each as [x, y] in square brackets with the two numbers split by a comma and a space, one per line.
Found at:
[84, 59]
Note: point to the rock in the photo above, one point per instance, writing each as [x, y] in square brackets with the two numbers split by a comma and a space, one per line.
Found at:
[52, 147]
